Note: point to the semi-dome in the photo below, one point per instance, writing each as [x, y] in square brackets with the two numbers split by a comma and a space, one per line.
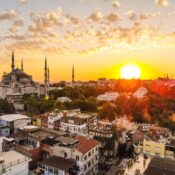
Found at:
[17, 75]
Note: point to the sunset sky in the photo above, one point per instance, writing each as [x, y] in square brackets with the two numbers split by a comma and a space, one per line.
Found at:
[97, 36]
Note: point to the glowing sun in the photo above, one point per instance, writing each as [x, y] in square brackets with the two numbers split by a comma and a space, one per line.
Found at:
[130, 71]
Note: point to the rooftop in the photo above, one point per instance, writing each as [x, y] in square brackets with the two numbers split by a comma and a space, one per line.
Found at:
[13, 117]
[59, 163]
[11, 157]
[159, 166]
[28, 127]
[42, 116]
[86, 144]
[74, 120]
[101, 128]
[156, 137]
[67, 141]
[43, 134]
[49, 141]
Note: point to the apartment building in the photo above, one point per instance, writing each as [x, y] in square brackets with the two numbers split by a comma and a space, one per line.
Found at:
[84, 150]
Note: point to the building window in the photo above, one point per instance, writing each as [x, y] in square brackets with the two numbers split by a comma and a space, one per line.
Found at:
[85, 157]
[96, 157]
[77, 158]
[157, 147]
[85, 167]
[89, 164]
[93, 151]
[89, 154]
[92, 161]
[55, 172]
[50, 170]
[65, 154]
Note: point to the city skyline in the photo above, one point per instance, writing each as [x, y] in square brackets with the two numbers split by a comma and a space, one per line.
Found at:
[102, 35]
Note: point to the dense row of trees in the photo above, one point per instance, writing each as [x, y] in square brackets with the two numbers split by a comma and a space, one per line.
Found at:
[34, 105]
[84, 105]
[152, 109]
[162, 89]
[79, 92]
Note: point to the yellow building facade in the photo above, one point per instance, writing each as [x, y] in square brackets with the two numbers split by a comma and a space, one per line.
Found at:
[37, 122]
[154, 148]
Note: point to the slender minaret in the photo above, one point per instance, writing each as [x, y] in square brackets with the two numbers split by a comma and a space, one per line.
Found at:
[48, 76]
[22, 67]
[45, 72]
[13, 61]
[46, 79]
[73, 74]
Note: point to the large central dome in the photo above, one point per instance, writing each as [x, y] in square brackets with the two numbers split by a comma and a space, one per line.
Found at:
[16, 75]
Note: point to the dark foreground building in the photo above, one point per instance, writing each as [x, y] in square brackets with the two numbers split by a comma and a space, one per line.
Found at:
[159, 166]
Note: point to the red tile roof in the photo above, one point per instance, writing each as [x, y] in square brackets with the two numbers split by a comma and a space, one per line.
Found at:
[41, 116]
[85, 144]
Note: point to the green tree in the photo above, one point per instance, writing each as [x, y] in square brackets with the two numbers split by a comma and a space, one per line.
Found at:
[108, 111]
[6, 107]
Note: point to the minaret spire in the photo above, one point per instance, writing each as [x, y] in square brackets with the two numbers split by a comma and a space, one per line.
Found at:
[73, 74]
[46, 78]
[13, 61]
[48, 75]
[22, 68]
[45, 72]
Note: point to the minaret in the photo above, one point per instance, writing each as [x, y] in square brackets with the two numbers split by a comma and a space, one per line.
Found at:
[13, 61]
[46, 79]
[22, 68]
[45, 72]
[48, 75]
[73, 74]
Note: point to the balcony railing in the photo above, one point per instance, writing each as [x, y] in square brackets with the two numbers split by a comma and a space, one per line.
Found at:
[4, 165]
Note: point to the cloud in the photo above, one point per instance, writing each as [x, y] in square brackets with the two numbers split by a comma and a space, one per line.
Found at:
[19, 22]
[72, 19]
[162, 3]
[14, 35]
[112, 17]
[148, 16]
[96, 16]
[16, 25]
[23, 2]
[8, 15]
[58, 33]
[116, 4]
[131, 15]
[43, 21]
[13, 29]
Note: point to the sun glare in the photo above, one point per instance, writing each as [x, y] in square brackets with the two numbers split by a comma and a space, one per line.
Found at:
[130, 72]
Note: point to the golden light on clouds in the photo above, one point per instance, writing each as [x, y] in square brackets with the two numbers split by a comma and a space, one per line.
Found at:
[105, 36]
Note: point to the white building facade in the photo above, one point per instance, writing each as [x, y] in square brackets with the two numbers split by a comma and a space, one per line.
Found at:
[14, 121]
[140, 93]
[86, 153]
[74, 125]
[108, 96]
[14, 163]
